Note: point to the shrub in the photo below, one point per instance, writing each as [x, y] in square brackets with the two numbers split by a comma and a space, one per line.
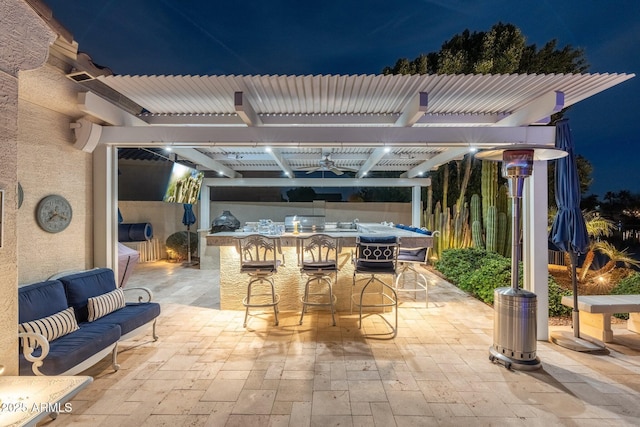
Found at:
[556, 292]
[630, 285]
[177, 244]
[455, 263]
[494, 272]
[480, 272]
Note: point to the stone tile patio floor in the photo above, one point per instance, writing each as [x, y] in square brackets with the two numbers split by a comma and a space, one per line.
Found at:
[207, 370]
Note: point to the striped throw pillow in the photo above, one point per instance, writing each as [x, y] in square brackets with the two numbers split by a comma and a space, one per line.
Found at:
[104, 304]
[51, 327]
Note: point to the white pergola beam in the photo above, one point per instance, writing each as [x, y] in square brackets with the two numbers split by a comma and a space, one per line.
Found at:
[437, 160]
[277, 157]
[485, 137]
[245, 110]
[414, 110]
[536, 110]
[374, 158]
[317, 182]
[460, 119]
[93, 105]
[202, 159]
[194, 119]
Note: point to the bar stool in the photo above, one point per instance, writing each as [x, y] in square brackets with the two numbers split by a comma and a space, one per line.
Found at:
[318, 260]
[259, 259]
[376, 256]
[408, 260]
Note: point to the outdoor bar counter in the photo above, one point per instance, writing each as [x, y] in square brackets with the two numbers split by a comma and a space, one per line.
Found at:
[289, 282]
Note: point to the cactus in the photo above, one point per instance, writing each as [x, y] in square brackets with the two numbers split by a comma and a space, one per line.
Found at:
[476, 231]
[428, 218]
[462, 237]
[476, 222]
[492, 229]
[504, 225]
[502, 233]
[454, 230]
[489, 182]
[457, 229]
[476, 213]
[502, 200]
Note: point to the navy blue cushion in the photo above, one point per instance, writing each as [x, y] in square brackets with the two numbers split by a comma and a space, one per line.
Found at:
[70, 350]
[40, 300]
[312, 266]
[378, 239]
[375, 267]
[415, 255]
[131, 316]
[79, 287]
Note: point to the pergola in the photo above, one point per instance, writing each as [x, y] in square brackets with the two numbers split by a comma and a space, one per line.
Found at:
[409, 124]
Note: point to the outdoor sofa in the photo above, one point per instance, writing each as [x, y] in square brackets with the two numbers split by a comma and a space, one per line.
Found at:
[69, 323]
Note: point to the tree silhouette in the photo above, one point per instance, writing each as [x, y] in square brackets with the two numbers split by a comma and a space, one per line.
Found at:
[501, 50]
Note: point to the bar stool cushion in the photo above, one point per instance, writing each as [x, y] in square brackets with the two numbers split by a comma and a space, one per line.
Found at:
[413, 255]
[319, 266]
[260, 266]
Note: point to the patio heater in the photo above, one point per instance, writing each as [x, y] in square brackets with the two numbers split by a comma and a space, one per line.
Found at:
[514, 321]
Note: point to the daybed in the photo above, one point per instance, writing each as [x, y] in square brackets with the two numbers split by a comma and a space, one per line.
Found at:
[69, 323]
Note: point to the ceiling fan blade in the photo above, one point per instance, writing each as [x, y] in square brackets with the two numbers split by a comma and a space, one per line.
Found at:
[313, 170]
[336, 171]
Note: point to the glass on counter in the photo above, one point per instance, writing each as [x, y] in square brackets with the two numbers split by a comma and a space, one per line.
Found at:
[266, 227]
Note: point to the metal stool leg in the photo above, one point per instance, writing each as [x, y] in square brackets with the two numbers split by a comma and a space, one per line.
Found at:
[320, 279]
[275, 298]
[421, 282]
[392, 302]
[331, 300]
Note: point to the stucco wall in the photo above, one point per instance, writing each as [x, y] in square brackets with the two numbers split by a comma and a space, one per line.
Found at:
[23, 46]
[333, 211]
[166, 218]
[49, 164]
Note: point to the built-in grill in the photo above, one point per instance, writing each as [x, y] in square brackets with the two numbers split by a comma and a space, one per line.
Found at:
[306, 223]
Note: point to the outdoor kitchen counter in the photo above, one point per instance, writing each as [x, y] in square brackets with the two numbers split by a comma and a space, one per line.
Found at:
[289, 281]
[408, 238]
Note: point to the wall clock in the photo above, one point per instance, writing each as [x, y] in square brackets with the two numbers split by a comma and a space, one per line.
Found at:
[53, 213]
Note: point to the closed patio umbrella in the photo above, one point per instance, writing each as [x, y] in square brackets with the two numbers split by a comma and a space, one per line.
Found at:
[188, 218]
[569, 232]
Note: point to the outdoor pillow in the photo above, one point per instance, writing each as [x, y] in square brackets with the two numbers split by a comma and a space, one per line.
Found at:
[80, 287]
[51, 327]
[104, 304]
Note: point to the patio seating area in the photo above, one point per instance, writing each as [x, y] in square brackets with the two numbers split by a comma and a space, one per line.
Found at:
[207, 370]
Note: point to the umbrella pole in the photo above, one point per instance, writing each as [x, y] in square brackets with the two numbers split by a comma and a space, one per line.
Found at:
[574, 285]
[188, 246]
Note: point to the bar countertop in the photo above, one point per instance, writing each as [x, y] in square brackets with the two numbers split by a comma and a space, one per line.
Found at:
[289, 280]
[348, 236]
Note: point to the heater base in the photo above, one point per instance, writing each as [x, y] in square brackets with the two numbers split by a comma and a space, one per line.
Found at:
[515, 364]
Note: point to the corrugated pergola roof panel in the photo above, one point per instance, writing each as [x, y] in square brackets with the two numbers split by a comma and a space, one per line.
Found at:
[354, 94]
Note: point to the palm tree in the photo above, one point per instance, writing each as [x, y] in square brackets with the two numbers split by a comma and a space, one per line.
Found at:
[615, 256]
[598, 227]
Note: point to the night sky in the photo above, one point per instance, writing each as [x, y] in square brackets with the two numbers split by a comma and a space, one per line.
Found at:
[154, 37]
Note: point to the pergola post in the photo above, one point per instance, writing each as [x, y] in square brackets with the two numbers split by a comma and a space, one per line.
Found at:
[105, 207]
[535, 244]
[416, 205]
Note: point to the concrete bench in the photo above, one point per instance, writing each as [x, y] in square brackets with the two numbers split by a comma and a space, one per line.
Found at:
[596, 310]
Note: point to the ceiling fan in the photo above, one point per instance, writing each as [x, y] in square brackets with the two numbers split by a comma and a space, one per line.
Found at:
[328, 165]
